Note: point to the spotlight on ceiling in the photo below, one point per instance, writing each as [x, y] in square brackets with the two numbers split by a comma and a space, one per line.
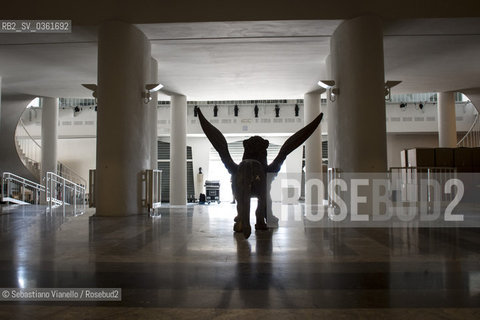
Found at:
[388, 88]
[329, 85]
[149, 89]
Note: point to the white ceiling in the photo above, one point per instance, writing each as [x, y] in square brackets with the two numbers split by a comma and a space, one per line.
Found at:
[246, 60]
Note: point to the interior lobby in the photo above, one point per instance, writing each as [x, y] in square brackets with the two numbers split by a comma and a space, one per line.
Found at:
[99, 109]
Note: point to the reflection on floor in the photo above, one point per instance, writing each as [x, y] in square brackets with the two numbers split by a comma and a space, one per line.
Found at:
[187, 263]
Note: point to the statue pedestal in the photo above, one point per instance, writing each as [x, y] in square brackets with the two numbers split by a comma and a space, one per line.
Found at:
[199, 187]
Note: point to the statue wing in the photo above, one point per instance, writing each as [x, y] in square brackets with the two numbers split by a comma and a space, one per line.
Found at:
[293, 143]
[218, 141]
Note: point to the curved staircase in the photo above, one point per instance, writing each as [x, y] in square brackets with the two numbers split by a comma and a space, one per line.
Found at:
[472, 138]
[20, 153]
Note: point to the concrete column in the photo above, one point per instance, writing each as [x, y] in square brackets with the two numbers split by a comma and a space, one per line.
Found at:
[313, 147]
[359, 119]
[447, 125]
[152, 107]
[123, 151]
[49, 136]
[178, 150]
[331, 116]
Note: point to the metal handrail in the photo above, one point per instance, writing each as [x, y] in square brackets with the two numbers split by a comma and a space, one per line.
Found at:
[67, 172]
[24, 145]
[63, 169]
[474, 131]
[56, 190]
[411, 180]
[9, 178]
[26, 131]
[153, 188]
[332, 174]
[469, 130]
[91, 187]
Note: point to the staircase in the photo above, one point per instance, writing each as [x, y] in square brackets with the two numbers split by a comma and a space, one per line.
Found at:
[472, 137]
[28, 149]
[30, 153]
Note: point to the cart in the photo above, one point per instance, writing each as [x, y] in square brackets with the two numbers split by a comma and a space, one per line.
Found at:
[212, 191]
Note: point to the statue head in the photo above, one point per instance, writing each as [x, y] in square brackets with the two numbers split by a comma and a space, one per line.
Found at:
[255, 148]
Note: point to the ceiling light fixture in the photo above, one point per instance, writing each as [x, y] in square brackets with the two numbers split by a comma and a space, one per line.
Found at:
[388, 89]
[149, 89]
[92, 87]
[329, 85]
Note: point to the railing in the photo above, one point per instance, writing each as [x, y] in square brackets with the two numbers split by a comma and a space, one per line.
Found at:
[30, 153]
[472, 137]
[91, 188]
[152, 188]
[28, 149]
[405, 184]
[412, 183]
[332, 174]
[69, 174]
[16, 189]
[61, 192]
[153, 181]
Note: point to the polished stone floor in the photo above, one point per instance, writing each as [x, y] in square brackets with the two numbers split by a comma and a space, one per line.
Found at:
[186, 263]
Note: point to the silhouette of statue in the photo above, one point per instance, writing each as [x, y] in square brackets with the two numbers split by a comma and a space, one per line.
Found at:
[249, 178]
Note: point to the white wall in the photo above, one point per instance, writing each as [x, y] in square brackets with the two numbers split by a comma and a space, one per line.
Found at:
[200, 153]
[399, 142]
[78, 154]
[413, 119]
